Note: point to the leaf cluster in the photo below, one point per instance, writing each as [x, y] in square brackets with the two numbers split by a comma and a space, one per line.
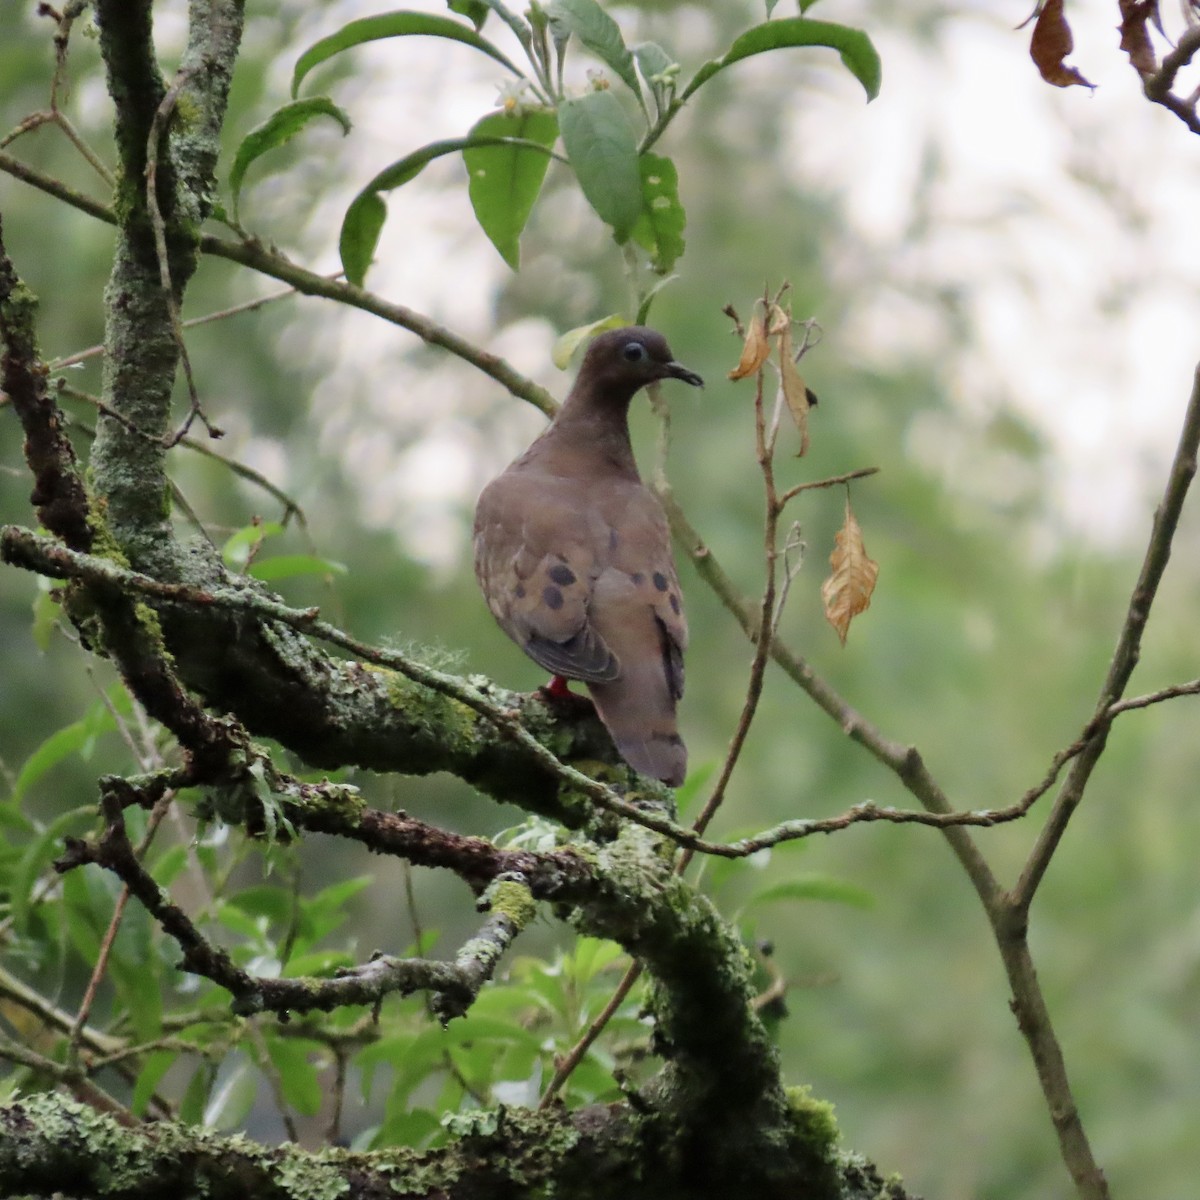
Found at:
[606, 134]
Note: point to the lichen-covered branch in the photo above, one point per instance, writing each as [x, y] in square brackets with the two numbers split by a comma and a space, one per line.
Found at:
[49, 1144]
[455, 984]
[58, 492]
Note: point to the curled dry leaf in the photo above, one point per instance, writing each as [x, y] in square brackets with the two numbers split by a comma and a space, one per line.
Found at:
[794, 390]
[1050, 45]
[755, 351]
[847, 591]
[1135, 37]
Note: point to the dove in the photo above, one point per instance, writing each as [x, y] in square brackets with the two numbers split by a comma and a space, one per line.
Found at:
[573, 555]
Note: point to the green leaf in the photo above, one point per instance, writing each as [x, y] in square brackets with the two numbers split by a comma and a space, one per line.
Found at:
[292, 1058]
[365, 216]
[853, 45]
[195, 1096]
[284, 566]
[241, 545]
[262, 900]
[659, 229]
[565, 347]
[153, 1069]
[77, 737]
[230, 1102]
[652, 61]
[322, 963]
[360, 235]
[390, 25]
[167, 868]
[46, 611]
[280, 127]
[474, 10]
[599, 33]
[591, 956]
[601, 146]
[38, 856]
[814, 887]
[504, 180]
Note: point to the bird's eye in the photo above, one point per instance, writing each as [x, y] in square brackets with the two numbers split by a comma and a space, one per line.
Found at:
[634, 352]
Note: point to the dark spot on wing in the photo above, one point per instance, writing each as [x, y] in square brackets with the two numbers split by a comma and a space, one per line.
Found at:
[552, 596]
[638, 578]
[562, 575]
[675, 604]
[520, 591]
[612, 539]
[660, 581]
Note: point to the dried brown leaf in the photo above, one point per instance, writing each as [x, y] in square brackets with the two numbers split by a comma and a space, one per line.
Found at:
[1050, 45]
[794, 390]
[779, 320]
[847, 591]
[1135, 37]
[755, 351]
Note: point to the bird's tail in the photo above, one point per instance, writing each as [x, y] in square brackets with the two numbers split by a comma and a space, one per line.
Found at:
[639, 712]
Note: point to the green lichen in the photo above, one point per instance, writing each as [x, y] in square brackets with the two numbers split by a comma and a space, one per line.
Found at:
[443, 716]
[306, 1177]
[104, 544]
[814, 1121]
[187, 113]
[513, 900]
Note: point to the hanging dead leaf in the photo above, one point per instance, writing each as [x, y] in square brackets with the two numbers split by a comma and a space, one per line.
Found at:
[1051, 43]
[755, 351]
[1135, 37]
[794, 390]
[779, 320]
[847, 592]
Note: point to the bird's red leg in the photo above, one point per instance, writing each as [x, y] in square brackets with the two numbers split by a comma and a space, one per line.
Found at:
[559, 688]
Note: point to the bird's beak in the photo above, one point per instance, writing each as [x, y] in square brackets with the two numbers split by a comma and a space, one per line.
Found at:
[676, 370]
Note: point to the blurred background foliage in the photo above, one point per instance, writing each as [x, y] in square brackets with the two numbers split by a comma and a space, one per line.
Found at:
[991, 627]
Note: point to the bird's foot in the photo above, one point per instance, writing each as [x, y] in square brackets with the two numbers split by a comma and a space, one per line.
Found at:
[559, 688]
[558, 691]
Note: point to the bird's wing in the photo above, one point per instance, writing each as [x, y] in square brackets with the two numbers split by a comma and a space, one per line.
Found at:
[538, 551]
[638, 606]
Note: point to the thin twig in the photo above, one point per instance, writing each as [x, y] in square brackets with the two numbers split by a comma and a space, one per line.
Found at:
[1125, 656]
[832, 481]
[235, 310]
[291, 507]
[567, 1064]
[110, 936]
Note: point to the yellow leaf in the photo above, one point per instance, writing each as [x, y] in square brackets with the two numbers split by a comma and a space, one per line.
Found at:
[570, 341]
[755, 351]
[794, 390]
[847, 592]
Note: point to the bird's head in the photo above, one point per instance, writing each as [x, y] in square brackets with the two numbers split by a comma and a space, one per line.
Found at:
[621, 361]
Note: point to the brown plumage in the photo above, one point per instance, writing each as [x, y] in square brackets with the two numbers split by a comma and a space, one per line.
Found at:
[574, 556]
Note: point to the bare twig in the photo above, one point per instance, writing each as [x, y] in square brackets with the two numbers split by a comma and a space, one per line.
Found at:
[567, 1064]
[1125, 656]
[222, 314]
[1157, 86]
[291, 507]
[832, 481]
